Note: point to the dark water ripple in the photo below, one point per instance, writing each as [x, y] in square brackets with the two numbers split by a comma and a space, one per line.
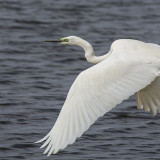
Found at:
[35, 76]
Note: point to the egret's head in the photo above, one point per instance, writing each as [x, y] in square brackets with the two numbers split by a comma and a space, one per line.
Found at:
[71, 40]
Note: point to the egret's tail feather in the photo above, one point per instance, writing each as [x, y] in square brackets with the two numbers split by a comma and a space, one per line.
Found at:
[148, 98]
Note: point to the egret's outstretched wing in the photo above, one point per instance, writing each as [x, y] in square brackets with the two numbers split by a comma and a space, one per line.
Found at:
[149, 97]
[94, 92]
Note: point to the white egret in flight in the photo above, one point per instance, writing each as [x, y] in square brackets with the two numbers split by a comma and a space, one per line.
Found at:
[131, 66]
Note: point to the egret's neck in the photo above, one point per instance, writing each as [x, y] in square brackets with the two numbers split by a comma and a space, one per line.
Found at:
[89, 52]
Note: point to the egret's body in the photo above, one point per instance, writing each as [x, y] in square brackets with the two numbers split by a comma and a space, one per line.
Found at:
[130, 67]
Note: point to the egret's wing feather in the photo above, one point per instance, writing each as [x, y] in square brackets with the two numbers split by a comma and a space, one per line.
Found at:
[156, 45]
[94, 92]
[149, 97]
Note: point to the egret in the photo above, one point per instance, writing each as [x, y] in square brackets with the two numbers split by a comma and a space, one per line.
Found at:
[130, 66]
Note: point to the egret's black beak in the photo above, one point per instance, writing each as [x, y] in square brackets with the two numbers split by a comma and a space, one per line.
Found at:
[55, 41]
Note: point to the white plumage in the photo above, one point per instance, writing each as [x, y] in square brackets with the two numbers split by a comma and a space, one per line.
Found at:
[130, 66]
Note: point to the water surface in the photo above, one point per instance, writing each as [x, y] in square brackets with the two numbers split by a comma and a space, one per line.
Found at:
[35, 77]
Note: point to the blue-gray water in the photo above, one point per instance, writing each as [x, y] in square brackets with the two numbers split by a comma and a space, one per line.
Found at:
[36, 76]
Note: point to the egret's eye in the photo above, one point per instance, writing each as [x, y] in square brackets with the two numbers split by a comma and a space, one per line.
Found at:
[66, 40]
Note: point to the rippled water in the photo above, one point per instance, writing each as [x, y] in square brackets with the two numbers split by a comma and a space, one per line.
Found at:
[35, 77]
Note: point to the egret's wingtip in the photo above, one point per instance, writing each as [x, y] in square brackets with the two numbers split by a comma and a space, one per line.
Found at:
[55, 151]
[38, 141]
[41, 147]
[154, 114]
[48, 155]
